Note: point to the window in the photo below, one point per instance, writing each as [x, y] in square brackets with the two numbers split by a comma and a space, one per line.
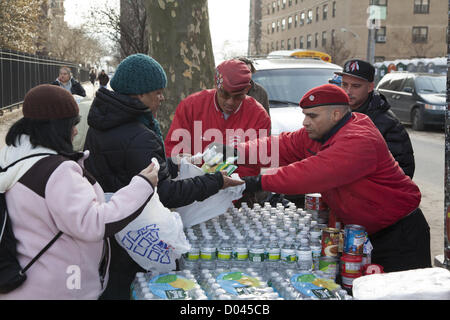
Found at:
[273, 27]
[379, 58]
[274, 5]
[296, 20]
[308, 41]
[302, 18]
[379, 2]
[276, 45]
[317, 14]
[310, 16]
[268, 28]
[289, 22]
[421, 6]
[282, 44]
[283, 24]
[290, 3]
[295, 43]
[278, 25]
[284, 4]
[333, 36]
[301, 44]
[325, 12]
[334, 9]
[268, 9]
[419, 34]
[316, 40]
[324, 39]
[289, 45]
[380, 35]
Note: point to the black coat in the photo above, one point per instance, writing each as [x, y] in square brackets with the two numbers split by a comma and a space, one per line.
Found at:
[393, 132]
[77, 88]
[120, 147]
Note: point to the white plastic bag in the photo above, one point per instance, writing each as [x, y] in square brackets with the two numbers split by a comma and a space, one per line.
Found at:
[155, 238]
[217, 204]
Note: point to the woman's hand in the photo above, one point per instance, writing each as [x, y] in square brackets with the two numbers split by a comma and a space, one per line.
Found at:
[151, 173]
[230, 182]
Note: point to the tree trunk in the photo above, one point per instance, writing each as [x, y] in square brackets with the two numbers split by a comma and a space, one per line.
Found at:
[180, 41]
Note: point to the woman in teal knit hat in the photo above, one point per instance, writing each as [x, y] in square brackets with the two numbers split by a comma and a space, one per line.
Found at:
[123, 136]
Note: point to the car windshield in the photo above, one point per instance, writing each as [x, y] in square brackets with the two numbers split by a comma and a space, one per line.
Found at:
[287, 86]
[431, 84]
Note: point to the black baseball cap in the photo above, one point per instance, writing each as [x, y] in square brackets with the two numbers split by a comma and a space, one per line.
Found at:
[358, 68]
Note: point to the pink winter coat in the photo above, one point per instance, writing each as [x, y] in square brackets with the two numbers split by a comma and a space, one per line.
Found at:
[56, 194]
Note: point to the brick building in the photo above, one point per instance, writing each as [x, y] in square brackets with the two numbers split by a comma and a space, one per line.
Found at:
[411, 29]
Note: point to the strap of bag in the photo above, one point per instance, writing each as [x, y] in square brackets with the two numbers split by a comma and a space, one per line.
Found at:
[24, 270]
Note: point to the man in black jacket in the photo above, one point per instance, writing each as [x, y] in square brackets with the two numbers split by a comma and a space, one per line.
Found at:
[358, 83]
[122, 138]
[66, 81]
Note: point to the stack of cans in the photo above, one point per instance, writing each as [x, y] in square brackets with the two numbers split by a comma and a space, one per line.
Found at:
[352, 255]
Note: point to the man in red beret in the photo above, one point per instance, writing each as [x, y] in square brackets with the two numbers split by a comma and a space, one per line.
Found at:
[343, 156]
[224, 114]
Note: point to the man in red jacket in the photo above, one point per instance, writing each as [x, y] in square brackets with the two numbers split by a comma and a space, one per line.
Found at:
[343, 156]
[224, 115]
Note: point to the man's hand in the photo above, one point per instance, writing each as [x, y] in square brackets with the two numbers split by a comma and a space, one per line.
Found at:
[252, 184]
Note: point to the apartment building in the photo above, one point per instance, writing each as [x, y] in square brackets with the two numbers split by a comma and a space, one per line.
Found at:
[409, 28]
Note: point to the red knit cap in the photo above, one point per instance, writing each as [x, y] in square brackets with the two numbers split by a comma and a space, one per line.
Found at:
[46, 101]
[324, 95]
[232, 76]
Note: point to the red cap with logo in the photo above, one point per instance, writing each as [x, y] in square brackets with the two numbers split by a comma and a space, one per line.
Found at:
[232, 76]
[324, 95]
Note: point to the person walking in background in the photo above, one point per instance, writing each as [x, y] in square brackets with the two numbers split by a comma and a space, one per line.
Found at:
[103, 79]
[66, 81]
[92, 76]
[51, 192]
[358, 83]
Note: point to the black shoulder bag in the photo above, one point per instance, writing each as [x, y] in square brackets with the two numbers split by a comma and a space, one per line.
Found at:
[11, 273]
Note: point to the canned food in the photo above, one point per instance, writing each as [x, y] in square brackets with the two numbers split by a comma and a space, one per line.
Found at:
[314, 202]
[330, 242]
[347, 279]
[329, 265]
[351, 264]
[354, 238]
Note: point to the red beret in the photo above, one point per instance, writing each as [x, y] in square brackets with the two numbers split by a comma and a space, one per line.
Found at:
[232, 76]
[324, 95]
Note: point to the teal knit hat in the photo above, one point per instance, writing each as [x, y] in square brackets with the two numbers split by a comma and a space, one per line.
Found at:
[138, 74]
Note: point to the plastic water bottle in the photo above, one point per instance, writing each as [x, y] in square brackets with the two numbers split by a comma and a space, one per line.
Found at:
[240, 253]
[273, 254]
[316, 248]
[288, 255]
[224, 253]
[190, 260]
[208, 253]
[256, 255]
[304, 255]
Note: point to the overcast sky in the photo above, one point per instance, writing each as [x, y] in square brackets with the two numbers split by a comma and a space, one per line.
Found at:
[229, 21]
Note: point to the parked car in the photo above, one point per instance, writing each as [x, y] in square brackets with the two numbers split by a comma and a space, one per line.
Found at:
[286, 80]
[418, 99]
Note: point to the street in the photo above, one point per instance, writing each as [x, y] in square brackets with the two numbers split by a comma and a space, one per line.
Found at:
[429, 155]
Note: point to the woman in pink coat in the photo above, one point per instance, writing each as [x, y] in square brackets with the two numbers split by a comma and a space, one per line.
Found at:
[53, 193]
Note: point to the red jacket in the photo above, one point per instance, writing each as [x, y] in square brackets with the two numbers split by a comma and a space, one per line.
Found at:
[353, 170]
[204, 123]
